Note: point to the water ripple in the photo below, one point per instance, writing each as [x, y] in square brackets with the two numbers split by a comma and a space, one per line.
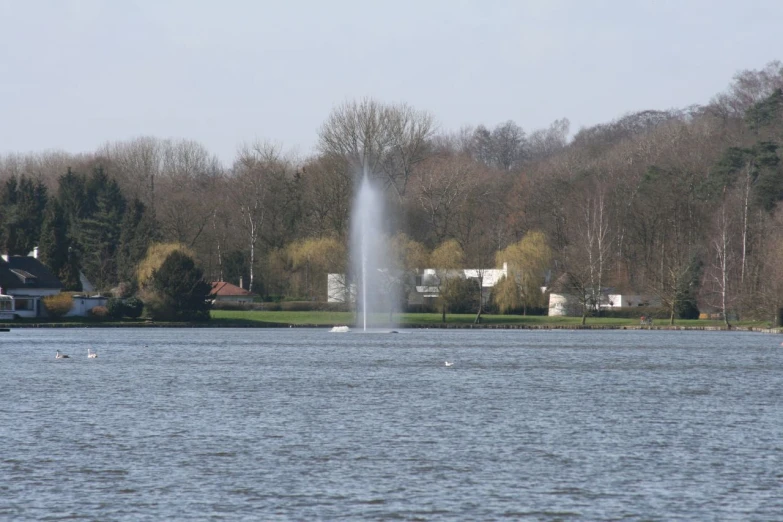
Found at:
[304, 425]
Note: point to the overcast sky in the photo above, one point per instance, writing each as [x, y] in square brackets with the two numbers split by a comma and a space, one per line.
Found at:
[75, 74]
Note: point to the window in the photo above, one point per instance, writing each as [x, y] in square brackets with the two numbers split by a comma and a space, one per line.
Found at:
[25, 304]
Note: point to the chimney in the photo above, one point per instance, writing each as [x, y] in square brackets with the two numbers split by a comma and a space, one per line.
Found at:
[35, 252]
[240, 283]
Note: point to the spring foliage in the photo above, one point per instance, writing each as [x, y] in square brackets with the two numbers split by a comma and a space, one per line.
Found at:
[528, 261]
[58, 305]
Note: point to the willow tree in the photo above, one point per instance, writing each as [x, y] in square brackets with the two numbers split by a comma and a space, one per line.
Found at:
[316, 257]
[446, 258]
[527, 262]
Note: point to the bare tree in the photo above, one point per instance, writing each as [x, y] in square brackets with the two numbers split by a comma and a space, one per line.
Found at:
[544, 143]
[590, 241]
[443, 188]
[720, 274]
[381, 140]
[253, 169]
[328, 190]
[137, 164]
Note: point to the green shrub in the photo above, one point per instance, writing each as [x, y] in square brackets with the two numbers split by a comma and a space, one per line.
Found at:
[635, 312]
[115, 308]
[419, 309]
[58, 305]
[299, 306]
[460, 295]
[233, 305]
[133, 307]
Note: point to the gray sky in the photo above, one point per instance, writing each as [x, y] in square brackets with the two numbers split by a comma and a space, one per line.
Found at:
[75, 74]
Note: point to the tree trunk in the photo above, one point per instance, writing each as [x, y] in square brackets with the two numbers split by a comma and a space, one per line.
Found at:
[477, 320]
[443, 309]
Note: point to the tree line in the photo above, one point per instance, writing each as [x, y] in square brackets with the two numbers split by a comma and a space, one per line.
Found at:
[680, 204]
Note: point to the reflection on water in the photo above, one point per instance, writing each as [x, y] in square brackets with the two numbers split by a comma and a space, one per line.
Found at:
[309, 424]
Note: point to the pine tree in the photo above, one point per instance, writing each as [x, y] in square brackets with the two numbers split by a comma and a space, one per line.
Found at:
[180, 289]
[25, 202]
[54, 241]
[138, 231]
[98, 234]
[8, 197]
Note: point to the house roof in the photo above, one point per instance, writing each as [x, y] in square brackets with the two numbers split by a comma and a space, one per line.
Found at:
[26, 272]
[221, 288]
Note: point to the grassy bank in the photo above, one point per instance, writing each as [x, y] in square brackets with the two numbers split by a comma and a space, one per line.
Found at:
[260, 318]
[232, 318]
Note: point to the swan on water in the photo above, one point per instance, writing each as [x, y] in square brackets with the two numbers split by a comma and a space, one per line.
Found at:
[449, 363]
[91, 354]
[59, 355]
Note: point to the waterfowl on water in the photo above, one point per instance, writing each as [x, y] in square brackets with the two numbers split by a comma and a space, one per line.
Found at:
[449, 363]
[91, 354]
[59, 355]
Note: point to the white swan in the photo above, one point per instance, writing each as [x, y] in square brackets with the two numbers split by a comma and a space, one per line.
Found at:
[91, 354]
[59, 355]
[449, 363]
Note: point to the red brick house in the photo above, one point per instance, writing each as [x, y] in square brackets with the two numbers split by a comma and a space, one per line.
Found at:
[228, 293]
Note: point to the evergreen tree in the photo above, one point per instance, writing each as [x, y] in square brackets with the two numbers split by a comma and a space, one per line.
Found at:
[139, 230]
[55, 247]
[766, 112]
[180, 290]
[8, 202]
[98, 236]
[757, 165]
[54, 243]
[24, 202]
[72, 194]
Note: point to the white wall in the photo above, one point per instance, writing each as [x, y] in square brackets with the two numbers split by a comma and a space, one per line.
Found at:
[83, 304]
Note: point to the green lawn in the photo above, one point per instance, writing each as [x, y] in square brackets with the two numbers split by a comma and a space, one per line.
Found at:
[259, 318]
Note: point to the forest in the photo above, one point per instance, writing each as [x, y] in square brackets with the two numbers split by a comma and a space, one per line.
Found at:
[682, 204]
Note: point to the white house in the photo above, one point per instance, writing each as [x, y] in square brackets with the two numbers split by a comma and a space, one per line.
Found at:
[424, 285]
[563, 304]
[26, 281]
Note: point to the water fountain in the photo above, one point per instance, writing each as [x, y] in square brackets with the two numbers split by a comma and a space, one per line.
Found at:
[368, 253]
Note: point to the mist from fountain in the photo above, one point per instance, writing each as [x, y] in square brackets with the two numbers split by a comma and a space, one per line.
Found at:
[368, 253]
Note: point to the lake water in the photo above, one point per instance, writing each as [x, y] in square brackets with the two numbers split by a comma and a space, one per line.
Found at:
[292, 424]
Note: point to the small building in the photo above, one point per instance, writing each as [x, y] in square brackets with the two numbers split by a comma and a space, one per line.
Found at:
[564, 303]
[26, 281]
[84, 303]
[223, 292]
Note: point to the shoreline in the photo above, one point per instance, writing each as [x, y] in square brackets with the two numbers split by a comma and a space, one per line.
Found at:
[5, 327]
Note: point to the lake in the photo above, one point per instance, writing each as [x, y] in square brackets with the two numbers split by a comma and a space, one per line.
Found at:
[305, 424]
